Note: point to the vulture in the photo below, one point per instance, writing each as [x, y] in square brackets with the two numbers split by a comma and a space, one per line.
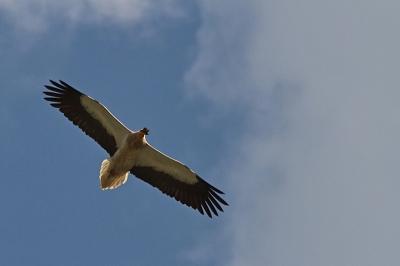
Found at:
[131, 153]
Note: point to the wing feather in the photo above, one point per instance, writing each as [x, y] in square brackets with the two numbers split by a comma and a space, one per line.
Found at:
[88, 114]
[177, 181]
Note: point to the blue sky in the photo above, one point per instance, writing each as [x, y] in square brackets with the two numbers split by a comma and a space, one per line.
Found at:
[289, 108]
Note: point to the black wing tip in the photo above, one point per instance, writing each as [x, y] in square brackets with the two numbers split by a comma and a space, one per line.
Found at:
[212, 201]
[209, 185]
[58, 84]
[200, 196]
[208, 211]
[65, 84]
[54, 83]
[213, 190]
[61, 87]
[215, 196]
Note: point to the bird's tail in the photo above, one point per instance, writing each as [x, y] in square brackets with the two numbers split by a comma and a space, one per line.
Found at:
[109, 179]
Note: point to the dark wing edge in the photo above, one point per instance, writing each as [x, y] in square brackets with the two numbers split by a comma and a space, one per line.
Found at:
[200, 196]
[68, 100]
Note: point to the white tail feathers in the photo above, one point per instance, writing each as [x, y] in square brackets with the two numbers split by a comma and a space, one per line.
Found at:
[109, 179]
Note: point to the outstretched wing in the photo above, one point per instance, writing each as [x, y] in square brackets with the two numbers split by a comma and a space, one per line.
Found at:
[88, 114]
[177, 181]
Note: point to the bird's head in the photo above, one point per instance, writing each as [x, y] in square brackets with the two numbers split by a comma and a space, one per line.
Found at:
[145, 131]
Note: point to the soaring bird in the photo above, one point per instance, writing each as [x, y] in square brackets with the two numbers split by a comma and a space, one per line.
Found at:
[131, 153]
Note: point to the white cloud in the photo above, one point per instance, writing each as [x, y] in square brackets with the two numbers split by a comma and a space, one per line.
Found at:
[38, 15]
[322, 188]
[222, 39]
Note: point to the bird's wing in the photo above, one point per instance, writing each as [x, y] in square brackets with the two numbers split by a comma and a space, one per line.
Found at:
[88, 114]
[177, 180]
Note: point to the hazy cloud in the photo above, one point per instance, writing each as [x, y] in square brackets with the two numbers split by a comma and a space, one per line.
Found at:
[37, 15]
[317, 183]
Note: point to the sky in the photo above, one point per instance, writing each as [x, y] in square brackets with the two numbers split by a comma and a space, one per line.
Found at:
[290, 108]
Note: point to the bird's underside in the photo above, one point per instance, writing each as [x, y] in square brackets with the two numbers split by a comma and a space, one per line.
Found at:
[130, 153]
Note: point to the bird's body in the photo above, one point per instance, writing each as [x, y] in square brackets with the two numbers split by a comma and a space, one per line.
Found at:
[114, 170]
[130, 152]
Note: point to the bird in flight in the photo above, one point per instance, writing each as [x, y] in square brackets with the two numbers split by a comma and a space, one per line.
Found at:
[130, 152]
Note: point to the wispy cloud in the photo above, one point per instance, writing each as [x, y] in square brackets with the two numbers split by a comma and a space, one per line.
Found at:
[223, 44]
[316, 183]
[38, 15]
